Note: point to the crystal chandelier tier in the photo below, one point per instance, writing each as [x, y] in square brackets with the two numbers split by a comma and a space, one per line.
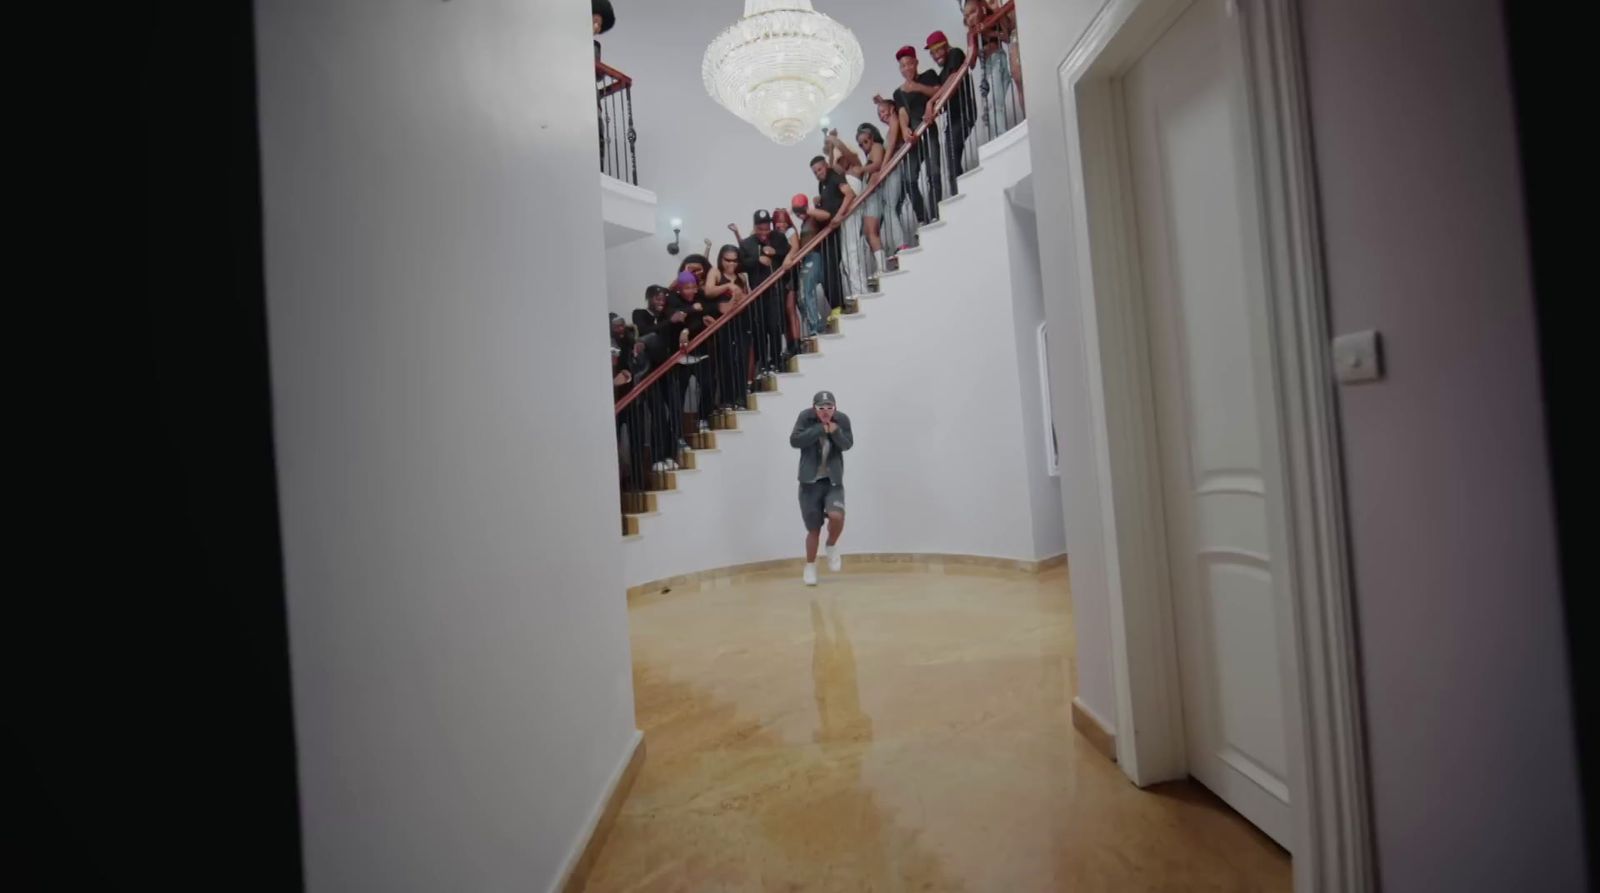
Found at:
[782, 67]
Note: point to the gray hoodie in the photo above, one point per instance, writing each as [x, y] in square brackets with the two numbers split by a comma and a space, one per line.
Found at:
[808, 439]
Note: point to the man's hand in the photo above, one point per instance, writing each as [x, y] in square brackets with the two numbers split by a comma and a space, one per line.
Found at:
[638, 348]
[766, 260]
[622, 378]
[679, 317]
[768, 251]
[683, 338]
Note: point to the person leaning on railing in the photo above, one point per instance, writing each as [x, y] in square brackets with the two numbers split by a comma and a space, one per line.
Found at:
[997, 47]
[783, 224]
[810, 302]
[912, 98]
[833, 195]
[962, 108]
[605, 18]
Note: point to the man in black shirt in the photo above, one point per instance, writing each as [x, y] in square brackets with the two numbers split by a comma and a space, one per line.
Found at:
[761, 254]
[911, 98]
[962, 108]
[660, 330]
[833, 194]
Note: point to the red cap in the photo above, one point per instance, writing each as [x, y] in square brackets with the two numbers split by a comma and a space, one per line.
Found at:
[907, 50]
[799, 201]
[935, 39]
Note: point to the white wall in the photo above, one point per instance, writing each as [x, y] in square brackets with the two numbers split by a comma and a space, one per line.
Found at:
[1027, 297]
[1462, 650]
[1452, 526]
[707, 166]
[458, 633]
[1050, 29]
[930, 377]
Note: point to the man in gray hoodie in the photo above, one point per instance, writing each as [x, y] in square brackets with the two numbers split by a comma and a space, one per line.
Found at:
[822, 435]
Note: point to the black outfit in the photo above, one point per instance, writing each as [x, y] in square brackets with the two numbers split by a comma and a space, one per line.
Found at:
[694, 320]
[925, 151]
[830, 195]
[963, 114]
[658, 332]
[764, 320]
[660, 336]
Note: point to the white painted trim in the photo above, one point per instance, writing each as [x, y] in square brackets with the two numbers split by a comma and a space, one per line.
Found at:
[628, 211]
[592, 822]
[1333, 845]
[1004, 141]
[1150, 742]
[1328, 775]
[1052, 452]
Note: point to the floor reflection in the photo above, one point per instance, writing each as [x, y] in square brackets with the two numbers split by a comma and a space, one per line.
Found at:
[895, 731]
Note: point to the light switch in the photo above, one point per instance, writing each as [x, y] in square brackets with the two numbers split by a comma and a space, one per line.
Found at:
[1357, 358]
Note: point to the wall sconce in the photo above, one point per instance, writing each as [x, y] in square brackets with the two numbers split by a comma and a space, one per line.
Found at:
[672, 246]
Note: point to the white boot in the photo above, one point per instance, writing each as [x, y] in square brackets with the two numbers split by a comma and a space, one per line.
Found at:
[835, 560]
[811, 573]
[879, 265]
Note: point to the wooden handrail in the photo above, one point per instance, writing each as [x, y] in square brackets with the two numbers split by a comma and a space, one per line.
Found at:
[937, 102]
[619, 81]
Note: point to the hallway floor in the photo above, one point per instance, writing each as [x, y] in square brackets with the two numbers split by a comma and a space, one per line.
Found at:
[897, 729]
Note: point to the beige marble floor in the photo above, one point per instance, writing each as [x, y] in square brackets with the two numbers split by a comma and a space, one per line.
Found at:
[892, 730]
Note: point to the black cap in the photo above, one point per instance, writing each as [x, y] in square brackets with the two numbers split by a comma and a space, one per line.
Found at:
[823, 398]
[762, 216]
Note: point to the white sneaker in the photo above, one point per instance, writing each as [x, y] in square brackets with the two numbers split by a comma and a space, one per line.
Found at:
[811, 573]
[835, 560]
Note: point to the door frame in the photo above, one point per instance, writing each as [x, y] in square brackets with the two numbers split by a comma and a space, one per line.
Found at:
[1328, 778]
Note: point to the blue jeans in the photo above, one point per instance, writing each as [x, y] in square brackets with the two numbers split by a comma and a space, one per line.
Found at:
[809, 301]
[998, 69]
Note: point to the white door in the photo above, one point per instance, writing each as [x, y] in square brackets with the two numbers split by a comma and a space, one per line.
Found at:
[1198, 244]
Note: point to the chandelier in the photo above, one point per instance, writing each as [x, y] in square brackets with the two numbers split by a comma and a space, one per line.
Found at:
[782, 67]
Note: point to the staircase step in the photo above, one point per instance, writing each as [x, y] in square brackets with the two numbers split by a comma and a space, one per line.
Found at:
[934, 225]
[969, 172]
[635, 503]
[951, 198]
[630, 525]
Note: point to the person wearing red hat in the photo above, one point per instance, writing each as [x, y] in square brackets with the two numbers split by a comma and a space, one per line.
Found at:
[783, 224]
[810, 301]
[912, 98]
[962, 108]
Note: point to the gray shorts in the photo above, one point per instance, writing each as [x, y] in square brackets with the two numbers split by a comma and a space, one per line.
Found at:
[817, 500]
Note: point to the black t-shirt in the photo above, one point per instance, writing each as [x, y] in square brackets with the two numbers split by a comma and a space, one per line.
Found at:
[750, 255]
[831, 192]
[916, 103]
[961, 103]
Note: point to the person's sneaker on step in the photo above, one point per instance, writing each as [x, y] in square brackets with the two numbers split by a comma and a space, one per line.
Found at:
[835, 560]
[810, 575]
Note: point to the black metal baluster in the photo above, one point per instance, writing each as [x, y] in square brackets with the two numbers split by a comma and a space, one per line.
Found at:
[633, 137]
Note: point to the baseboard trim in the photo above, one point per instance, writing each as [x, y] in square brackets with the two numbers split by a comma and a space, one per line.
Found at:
[930, 562]
[581, 864]
[1094, 730]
